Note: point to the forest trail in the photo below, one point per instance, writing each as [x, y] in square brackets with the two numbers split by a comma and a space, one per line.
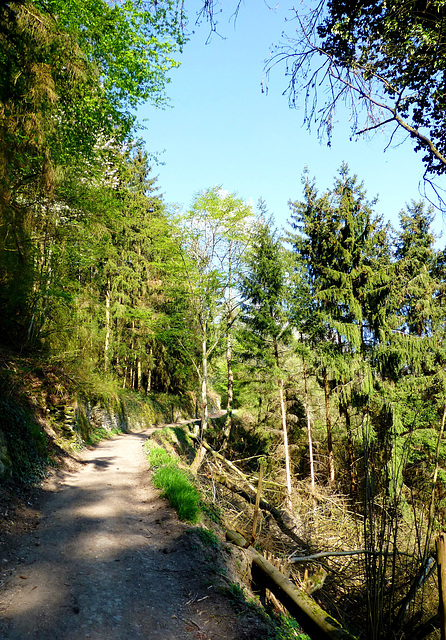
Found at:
[110, 560]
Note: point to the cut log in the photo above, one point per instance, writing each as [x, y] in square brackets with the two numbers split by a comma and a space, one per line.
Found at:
[313, 619]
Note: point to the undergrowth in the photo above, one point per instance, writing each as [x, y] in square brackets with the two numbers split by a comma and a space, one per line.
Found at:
[281, 627]
[175, 484]
[22, 444]
[98, 434]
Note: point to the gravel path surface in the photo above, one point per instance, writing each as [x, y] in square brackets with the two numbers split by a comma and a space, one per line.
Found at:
[110, 560]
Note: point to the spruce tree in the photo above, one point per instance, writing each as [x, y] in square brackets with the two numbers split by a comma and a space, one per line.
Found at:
[267, 329]
[344, 250]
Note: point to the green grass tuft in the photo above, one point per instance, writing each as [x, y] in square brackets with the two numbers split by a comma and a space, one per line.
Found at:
[160, 458]
[176, 486]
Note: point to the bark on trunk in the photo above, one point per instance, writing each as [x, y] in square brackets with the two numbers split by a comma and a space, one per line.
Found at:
[107, 325]
[344, 411]
[149, 372]
[204, 387]
[310, 440]
[434, 481]
[229, 404]
[331, 467]
[204, 405]
[284, 429]
[314, 620]
[229, 319]
[441, 562]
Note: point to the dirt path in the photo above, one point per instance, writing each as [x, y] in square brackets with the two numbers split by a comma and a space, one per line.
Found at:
[111, 561]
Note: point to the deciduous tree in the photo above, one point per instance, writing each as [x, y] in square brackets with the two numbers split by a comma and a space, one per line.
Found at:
[212, 248]
[384, 60]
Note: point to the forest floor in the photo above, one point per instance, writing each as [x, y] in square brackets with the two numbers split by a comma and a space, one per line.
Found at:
[97, 553]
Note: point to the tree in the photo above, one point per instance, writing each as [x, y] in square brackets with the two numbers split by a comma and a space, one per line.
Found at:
[377, 327]
[212, 250]
[71, 72]
[264, 312]
[416, 259]
[139, 251]
[384, 60]
[343, 248]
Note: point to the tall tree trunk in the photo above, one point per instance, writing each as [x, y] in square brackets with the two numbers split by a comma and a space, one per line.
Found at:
[230, 401]
[138, 374]
[441, 562]
[310, 440]
[284, 429]
[149, 372]
[331, 466]
[434, 485]
[229, 318]
[204, 403]
[204, 385]
[41, 286]
[350, 449]
[107, 325]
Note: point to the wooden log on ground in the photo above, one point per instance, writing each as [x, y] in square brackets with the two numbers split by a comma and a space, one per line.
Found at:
[319, 624]
[283, 518]
[230, 464]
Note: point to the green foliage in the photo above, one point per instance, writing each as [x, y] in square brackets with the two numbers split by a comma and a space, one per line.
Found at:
[212, 511]
[176, 486]
[265, 328]
[386, 56]
[25, 442]
[86, 251]
[263, 286]
[131, 44]
[344, 247]
[180, 492]
[280, 627]
[236, 591]
[98, 434]
[160, 458]
[208, 538]
[288, 629]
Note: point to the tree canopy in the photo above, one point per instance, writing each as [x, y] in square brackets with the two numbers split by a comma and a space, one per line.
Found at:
[384, 60]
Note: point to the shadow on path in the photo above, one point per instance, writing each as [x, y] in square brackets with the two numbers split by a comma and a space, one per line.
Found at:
[111, 561]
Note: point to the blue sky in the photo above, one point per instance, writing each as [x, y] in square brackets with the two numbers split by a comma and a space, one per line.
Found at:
[223, 130]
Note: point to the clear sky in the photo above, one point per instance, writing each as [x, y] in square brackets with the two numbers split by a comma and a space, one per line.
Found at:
[223, 130]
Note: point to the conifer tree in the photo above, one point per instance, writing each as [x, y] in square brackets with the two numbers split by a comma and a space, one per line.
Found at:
[264, 295]
[139, 280]
[71, 73]
[344, 249]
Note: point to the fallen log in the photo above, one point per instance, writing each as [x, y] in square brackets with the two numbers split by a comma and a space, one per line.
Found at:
[283, 519]
[230, 464]
[314, 620]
